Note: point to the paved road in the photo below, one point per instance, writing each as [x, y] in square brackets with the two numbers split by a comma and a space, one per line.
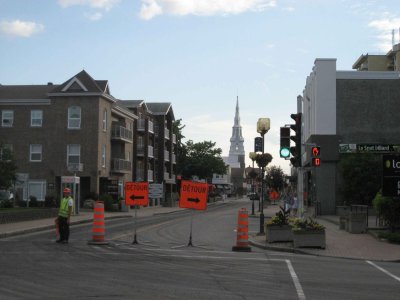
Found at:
[162, 266]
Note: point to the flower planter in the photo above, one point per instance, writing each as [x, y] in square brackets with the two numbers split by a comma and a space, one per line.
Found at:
[278, 233]
[309, 238]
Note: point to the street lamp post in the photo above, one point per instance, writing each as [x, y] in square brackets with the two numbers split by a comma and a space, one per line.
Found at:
[263, 125]
[252, 156]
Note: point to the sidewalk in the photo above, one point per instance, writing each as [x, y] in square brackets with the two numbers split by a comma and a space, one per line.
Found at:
[339, 243]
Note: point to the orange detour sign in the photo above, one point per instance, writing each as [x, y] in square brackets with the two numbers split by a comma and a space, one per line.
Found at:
[193, 195]
[137, 193]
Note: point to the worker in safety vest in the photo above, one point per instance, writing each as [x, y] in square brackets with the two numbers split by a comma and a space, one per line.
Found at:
[64, 216]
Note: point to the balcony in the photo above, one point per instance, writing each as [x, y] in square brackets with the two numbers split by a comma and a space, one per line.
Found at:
[166, 155]
[75, 167]
[174, 138]
[150, 174]
[150, 151]
[139, 174]
[120, 133]
[151, 127]
[166, 133]
[173, 158]
[140, 150]
[166, 176]
[119, 165]
[141, 125]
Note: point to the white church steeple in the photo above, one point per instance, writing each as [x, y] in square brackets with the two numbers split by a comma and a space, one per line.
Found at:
[237, 139]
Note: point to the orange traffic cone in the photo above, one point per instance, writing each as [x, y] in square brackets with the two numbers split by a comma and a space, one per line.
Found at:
[242, 237]
[98, 229]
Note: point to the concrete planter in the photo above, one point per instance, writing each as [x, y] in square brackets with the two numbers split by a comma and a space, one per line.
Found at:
[277, 233]
[309, 238]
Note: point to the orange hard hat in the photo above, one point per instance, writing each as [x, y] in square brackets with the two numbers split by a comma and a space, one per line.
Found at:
[67, 190]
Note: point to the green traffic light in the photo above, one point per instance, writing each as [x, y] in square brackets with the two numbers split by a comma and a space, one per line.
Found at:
[284, 152]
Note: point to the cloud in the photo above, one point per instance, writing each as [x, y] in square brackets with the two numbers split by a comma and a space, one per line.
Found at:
[384, 27]
[153, 8]
[94, 16]
[20, 28]
[99, 4]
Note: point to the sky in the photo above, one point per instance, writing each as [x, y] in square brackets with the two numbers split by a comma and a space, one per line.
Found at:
[200, 55]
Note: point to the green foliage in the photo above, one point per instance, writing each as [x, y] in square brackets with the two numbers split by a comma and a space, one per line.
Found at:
[33, 202]
[108, 201]
[50, 201]
[389, 209]
[6, 203]
[202, 160]
[275, 178]
[361, 175]
[263, 160]
[8, 168]
[281, 217]
[306, 224]
[392, 237]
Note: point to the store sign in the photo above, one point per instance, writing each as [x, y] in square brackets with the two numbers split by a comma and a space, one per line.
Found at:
[368, 148]
[391, 175]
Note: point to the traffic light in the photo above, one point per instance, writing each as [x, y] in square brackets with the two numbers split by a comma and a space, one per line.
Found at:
[296, 150]
[315, 153]
[285, 142]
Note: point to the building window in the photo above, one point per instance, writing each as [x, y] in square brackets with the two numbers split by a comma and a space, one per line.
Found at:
[74, 117]
[36, 118]
[73, 154]
[103, 156]
[35, 152]
[37, 189]
[7, 118]
[105, 120]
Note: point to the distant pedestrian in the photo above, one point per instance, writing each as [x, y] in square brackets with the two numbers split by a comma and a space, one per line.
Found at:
[64, 216]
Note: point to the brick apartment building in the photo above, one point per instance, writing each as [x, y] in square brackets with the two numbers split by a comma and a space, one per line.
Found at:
[79, 128]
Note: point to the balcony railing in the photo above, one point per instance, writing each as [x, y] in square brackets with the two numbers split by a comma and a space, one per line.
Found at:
[139, 174]
[150, 151]
[141, 125]
[150, 174]
[173, 158]
[121, 165]
[151, 126]
[166, 133]
[166, 176]
[174, 138]
[121, 133]
[166, 155]
[140, 149]
[75, 167]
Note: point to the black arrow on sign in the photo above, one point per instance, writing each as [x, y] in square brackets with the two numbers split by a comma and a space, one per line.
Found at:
[133, 197]
[196, 200]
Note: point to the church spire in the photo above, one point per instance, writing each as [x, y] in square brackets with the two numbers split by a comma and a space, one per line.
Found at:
[237, 139]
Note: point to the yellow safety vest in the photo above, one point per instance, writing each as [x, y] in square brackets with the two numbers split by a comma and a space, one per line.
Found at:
[64, 208]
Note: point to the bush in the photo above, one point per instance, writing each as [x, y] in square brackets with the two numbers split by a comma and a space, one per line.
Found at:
[6, 203]
[392, 237]
[108, 201]
[388, 208]
[49, 201]
[33, 202]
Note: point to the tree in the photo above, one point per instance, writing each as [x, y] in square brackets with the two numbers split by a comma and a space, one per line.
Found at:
[275, 178]
[389, 209]
[8, 168]
[202, 160]
[361, 174]
[181, 154]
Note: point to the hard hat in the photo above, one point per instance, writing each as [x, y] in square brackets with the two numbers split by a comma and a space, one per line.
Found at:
[67, 190]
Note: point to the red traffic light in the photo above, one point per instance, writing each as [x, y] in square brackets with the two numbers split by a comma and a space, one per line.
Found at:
[316, 161]
[315, 151]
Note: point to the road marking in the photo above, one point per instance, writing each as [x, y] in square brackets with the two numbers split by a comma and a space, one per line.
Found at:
[299, 289]
[383, 270]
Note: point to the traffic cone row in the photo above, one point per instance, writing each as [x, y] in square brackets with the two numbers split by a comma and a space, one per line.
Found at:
[242, 232]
